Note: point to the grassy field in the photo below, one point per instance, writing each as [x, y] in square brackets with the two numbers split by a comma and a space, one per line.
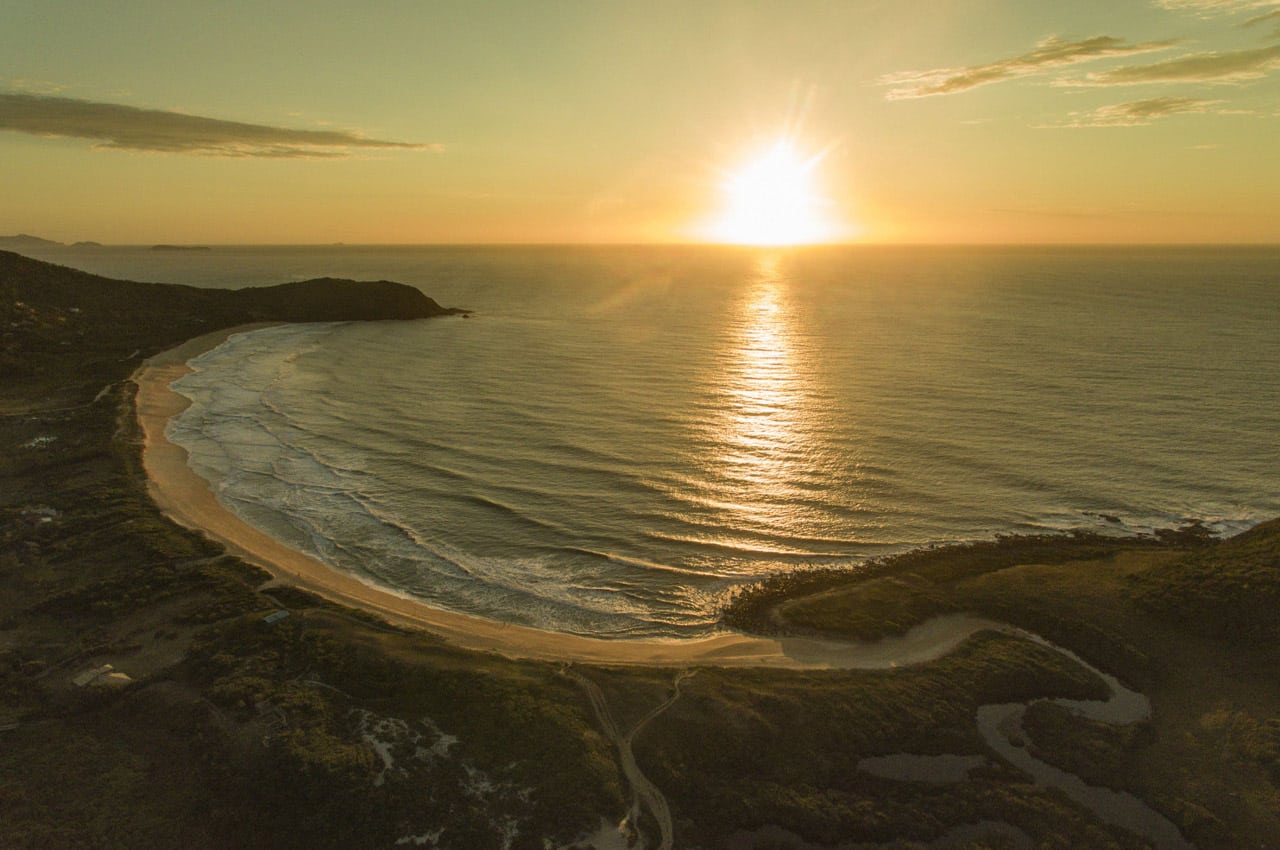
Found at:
[331, 729]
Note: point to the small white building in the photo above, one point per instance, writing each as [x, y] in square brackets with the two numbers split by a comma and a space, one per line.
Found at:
[105, 676]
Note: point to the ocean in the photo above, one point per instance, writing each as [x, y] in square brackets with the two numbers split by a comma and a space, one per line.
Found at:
[620, 436]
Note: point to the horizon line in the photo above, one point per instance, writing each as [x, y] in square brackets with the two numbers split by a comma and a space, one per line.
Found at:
[181, 246]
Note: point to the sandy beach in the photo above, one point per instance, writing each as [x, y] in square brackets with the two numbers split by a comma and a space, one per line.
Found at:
[185, 497]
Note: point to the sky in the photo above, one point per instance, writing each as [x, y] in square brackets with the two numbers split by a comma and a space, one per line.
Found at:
[919, 121]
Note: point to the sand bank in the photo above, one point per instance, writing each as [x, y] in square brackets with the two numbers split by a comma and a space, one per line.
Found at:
[186, 498]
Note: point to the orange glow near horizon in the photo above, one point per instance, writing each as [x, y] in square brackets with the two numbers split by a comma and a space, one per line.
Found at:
[772, 199]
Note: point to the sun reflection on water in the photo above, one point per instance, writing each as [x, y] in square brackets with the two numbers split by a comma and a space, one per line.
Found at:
[768, 405]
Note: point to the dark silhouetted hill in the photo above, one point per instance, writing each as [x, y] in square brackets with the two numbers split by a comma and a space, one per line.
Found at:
[25, 240]
[328, 299]
[52, 317]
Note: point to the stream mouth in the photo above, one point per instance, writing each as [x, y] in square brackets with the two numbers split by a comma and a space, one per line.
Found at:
[1001, 728]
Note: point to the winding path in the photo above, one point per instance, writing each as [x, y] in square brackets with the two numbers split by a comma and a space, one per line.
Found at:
[643, 789]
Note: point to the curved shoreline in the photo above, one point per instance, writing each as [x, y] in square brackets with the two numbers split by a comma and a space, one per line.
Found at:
[188, 500]
[185, 497]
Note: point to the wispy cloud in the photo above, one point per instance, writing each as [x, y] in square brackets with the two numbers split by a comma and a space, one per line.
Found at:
[1138, 113]
[1230, 67]
[1049, 54]
[113, 125]
[30, 86]
[1211, 7]
[1269, 17]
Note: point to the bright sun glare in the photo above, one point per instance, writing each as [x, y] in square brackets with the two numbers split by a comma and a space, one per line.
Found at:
[771, 200]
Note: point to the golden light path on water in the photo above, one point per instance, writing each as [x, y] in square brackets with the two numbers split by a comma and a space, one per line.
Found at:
[769, 408]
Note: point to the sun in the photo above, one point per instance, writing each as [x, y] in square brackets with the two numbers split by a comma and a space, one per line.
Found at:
[771, 200]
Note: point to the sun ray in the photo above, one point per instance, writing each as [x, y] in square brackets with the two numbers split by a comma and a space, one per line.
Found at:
[772, 199]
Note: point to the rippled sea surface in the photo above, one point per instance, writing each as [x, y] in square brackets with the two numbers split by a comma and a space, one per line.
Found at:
[619, 436]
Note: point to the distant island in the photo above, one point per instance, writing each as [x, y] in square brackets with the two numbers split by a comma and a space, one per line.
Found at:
[156, 689]
[25, 240]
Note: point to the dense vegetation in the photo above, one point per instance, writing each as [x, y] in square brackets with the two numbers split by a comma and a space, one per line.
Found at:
[1230, 590]
[889, 595]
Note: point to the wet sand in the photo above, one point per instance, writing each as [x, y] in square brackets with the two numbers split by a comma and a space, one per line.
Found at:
[186, 498]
